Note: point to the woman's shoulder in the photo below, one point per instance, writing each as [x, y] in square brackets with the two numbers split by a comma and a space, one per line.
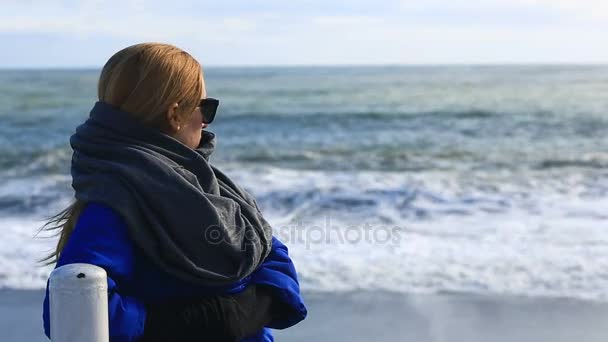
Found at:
[99, 232]
[100, 225]
[100, 214]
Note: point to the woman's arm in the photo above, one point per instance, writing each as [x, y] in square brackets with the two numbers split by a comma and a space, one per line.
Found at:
[215, 318]
[278, 274]
[271, 299]
[97, 240]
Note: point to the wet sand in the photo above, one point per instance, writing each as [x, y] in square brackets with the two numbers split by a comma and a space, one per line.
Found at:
[383, 316]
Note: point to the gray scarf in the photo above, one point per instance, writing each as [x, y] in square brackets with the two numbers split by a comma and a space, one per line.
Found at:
[185, 215]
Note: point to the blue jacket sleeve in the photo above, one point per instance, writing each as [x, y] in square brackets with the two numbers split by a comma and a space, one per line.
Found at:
[279, 272]
[101, 239]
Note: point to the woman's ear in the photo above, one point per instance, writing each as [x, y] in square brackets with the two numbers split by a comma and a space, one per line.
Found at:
[173, 118]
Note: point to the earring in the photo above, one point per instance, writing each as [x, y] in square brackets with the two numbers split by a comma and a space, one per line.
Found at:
[178, 127]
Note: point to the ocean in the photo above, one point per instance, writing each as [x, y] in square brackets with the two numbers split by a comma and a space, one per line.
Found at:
[488, 180]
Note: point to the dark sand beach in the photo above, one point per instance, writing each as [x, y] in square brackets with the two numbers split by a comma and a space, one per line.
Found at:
[383, 316]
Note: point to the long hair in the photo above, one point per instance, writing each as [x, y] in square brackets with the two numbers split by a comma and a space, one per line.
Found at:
[142, 80]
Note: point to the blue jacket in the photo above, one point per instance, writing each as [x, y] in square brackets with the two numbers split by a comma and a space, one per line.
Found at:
[100, 238]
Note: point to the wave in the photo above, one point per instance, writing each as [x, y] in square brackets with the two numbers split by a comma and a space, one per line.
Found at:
[428, 232]
[593, 161]
[396, 114]
[41, 162]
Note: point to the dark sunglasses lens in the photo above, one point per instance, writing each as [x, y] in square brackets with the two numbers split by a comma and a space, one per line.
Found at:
[208, 109]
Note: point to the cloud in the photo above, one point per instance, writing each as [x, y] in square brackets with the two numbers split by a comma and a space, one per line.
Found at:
[87, 19]
[581, 9]
[316, 31]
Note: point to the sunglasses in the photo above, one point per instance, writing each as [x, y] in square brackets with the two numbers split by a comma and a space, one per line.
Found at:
[208, 109]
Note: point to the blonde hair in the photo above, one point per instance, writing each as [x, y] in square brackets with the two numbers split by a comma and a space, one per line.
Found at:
[145, 79]
[142, 80]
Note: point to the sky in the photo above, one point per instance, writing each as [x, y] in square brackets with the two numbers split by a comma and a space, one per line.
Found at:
[85, 33]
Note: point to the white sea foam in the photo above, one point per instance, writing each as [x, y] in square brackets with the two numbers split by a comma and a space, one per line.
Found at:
[535, 235]
[20, 251]
[502, 233]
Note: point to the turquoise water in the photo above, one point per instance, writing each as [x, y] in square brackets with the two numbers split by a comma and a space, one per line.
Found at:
[496, 177]
[392, 118]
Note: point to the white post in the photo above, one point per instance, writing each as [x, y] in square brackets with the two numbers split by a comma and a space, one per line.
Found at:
[78, 299]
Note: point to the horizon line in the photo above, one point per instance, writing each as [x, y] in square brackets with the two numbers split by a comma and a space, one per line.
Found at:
[354, 65]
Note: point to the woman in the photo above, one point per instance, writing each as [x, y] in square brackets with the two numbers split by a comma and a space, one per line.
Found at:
[188, 254]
